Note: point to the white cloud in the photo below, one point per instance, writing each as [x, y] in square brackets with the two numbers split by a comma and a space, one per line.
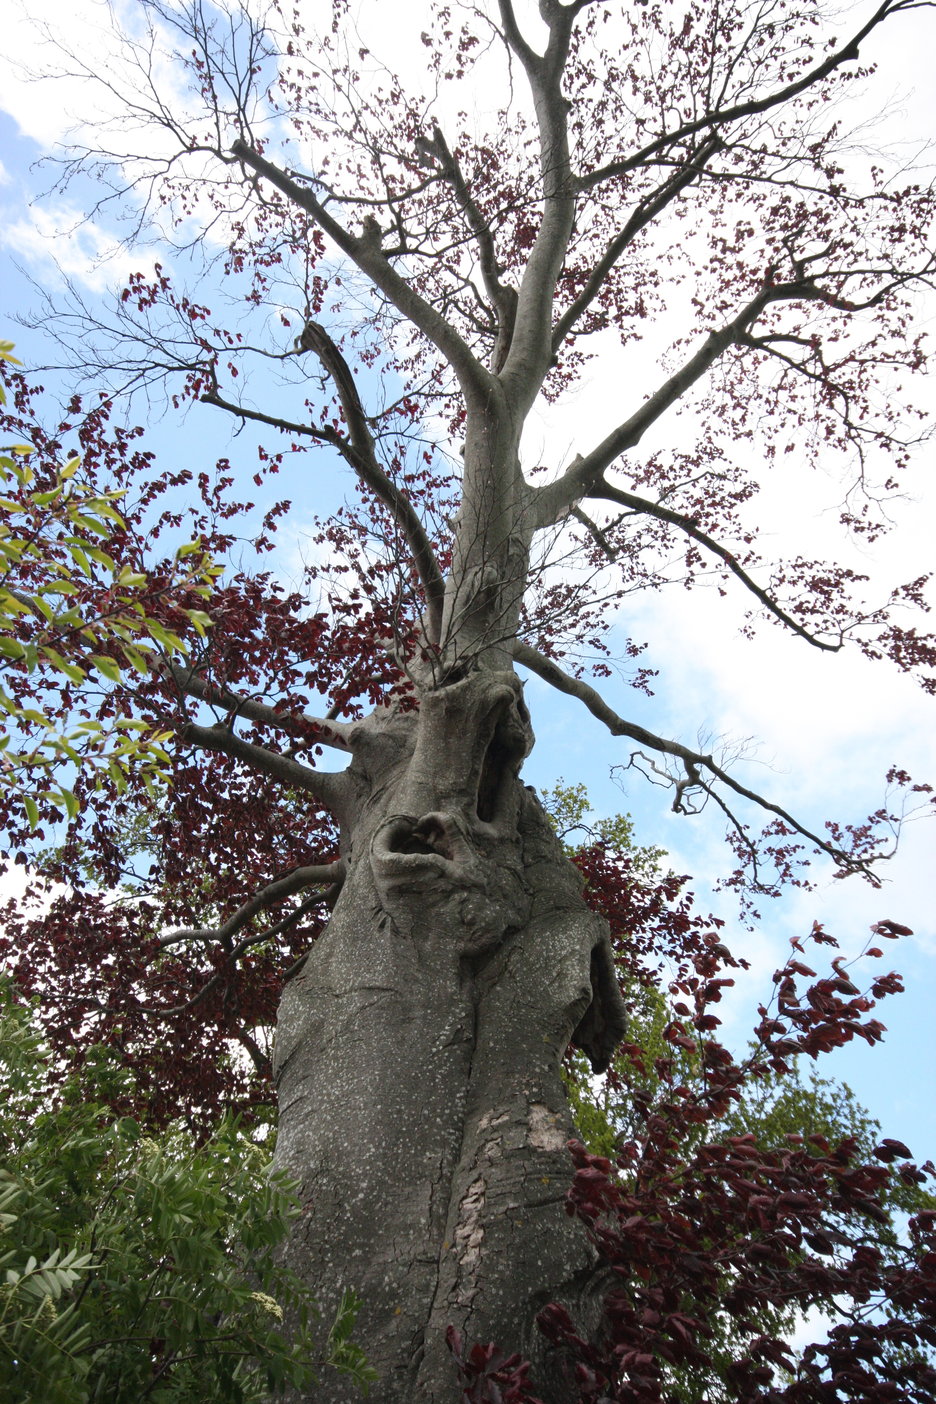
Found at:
[60, 241]
[36, 41]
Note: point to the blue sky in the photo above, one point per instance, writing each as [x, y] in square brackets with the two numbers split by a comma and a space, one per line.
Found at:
[822, 730]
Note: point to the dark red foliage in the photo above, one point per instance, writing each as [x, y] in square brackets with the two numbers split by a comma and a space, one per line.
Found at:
[192, 1021]
[701, 1230]
[487, 1376]
[709, 1234]
[737, 1230]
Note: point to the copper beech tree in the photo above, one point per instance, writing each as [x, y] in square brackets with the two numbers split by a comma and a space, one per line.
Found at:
[398, 273]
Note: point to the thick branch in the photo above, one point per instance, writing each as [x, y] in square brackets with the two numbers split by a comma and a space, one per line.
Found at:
[555, 499]
[315, 338]
[321, 433]
[321, 731]
[233, 955]
[317, 875]
[327, 786]
[531, 348]
[359, 453]
[694, 763]
[644, 506]
[366, 253]
[597, 535]
[502, 295]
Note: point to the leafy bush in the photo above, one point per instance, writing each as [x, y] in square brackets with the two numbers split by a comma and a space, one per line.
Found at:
[134, 1268]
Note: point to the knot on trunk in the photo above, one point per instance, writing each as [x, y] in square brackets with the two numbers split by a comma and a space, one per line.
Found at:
[472, 737]
[438, 887]
[415, 851]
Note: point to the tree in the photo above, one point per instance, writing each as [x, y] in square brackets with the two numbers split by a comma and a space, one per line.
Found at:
[417, 287]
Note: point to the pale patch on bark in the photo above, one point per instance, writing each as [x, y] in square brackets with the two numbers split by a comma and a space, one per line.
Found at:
[547, 1131]
[469, 1237]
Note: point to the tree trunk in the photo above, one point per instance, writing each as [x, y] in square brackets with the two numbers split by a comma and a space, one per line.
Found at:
[418, 1052]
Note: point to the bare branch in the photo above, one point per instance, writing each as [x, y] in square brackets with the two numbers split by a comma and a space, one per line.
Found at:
[644, 506]
[515, 40]
[580, 479]
[554, 500]
[848, 53]
[700, 771]
[364, 460]
[647, 210]
[322, 433]
[312, 875]
[283, 925]
[530, 350]
[366, 253]
[502, 295]
[595, 532]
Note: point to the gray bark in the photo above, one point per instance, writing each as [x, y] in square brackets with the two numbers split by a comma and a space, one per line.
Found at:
[418, 1051]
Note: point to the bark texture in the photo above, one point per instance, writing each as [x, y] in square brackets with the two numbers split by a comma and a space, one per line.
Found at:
[418, 1051]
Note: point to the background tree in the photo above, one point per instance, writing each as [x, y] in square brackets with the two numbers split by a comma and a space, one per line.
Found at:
[374, 231]
[139, 1268]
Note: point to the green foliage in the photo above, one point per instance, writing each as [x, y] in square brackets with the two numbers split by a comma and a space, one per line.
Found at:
[569, 808]
[134, 1268]
[70, 612]
[6, 354]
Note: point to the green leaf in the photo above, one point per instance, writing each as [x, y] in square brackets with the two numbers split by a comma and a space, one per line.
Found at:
[164, 636]
[101, 557]
[117, 775]
[128, 576]
[59, 587]
[38, 718]
[104, 509]
[9, 604]
[91, 524]
[32, 811]
[80, 559]
[44, 609]
[200, 619]
[61, 744]
[71, 670]
[42, 499]
[135, 658]
[107, 666]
